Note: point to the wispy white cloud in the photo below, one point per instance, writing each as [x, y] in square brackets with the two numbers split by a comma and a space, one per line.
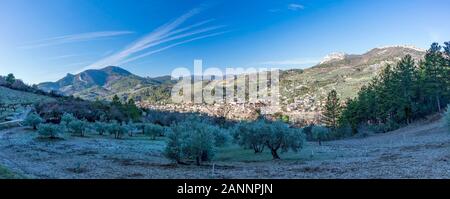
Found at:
[74, 38]
[170, 32]
[289, 7]
[171, 46]
[295, 7]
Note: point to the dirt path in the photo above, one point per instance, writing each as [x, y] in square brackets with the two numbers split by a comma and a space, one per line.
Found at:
[421, 151]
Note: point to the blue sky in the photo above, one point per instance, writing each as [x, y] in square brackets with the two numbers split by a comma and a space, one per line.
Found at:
[43, 40]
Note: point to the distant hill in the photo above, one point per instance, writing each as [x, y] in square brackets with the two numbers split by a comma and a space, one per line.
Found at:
[344, 72]
[301, 89]
[107, 82]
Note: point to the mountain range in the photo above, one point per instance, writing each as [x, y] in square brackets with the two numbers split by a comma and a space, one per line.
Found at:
[300, 87]
[107, 82]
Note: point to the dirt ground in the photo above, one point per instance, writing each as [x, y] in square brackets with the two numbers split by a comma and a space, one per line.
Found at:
[418, 151]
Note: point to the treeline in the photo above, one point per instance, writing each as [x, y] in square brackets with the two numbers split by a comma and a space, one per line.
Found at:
[90, 111]
[400, 94]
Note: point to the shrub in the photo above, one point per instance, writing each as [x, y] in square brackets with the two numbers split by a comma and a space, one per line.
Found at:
[281, 117]
[153, 130]
[50, 131]
[320, 133]
[33, 120]
[447, 117]
[77, 127]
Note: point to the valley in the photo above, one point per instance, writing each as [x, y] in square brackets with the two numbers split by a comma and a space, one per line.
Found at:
[303, 91]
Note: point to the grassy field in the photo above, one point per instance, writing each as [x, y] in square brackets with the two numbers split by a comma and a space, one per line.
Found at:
[235, 153]
[418, 151]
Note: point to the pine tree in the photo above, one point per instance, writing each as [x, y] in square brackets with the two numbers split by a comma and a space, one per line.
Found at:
[434, 77]
[132, 110]
[332, 111]
[116, 100]
[404, 82]
[10, 79]
[447, 70]
[349, 115]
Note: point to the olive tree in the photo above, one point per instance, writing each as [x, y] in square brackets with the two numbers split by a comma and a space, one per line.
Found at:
[67, 118]
[33, 120]
[100, 127]
[320, 133]
[250, 135]
[276, 136]
[194, 139]
[50, 131]
[117, 130]
[153, 130]
[173, 149]
[280, 137]
[78, 127]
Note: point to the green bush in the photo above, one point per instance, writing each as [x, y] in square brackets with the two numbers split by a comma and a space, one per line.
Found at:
[281, 117]
[285, 118]
[320, 133]
[50, 131]
[78, 127]
[33, 120]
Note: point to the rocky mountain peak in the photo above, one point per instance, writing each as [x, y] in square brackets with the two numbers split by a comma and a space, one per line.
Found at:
[336, 56]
